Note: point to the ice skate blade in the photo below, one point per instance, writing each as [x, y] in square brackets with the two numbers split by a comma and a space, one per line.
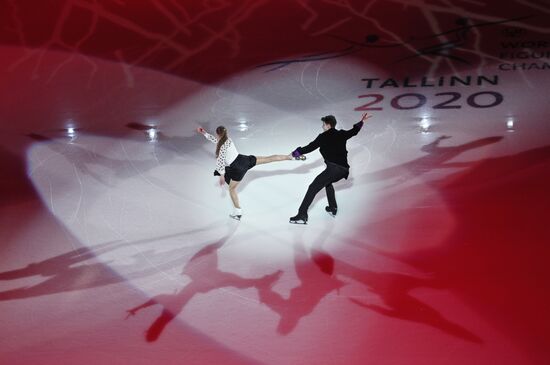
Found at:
[297, 222]
[235, 217]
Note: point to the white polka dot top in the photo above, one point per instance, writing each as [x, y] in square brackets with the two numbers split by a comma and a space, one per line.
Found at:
[228, 153]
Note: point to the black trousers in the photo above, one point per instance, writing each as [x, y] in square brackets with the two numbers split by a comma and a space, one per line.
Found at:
[325, 179]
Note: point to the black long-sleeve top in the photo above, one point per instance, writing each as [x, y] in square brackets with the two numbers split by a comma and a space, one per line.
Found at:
[332, 144]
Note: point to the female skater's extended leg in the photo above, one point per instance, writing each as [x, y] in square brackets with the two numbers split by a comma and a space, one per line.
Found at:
[267, 159]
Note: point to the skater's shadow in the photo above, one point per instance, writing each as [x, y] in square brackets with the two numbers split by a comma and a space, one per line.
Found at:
[315, 284]
[394, 290]
[503, 260]
[314, 272]
[437, 158]
[64, 273]
[96, 165]
[164, 150]
[79, 269]
[318, 273]
[205, 276]
[171, 146]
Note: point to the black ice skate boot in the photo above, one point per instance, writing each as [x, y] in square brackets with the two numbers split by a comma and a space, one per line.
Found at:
[331, 211]
[298, 219]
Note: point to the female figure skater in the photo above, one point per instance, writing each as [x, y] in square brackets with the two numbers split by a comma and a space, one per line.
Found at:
[231, 166]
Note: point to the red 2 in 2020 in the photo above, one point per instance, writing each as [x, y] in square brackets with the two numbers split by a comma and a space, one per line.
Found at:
[446, 100]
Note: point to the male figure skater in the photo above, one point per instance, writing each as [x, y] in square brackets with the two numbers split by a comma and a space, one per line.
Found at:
[332, 145]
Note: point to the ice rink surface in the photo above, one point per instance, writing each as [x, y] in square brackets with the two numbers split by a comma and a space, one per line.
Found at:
[116, 244]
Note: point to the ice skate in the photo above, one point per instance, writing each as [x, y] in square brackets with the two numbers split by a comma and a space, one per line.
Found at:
[236, 217]
[298, 219]
[237, 214]
[331, 211]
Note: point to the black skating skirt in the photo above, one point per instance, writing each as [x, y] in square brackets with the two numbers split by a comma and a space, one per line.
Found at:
[239, 167]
